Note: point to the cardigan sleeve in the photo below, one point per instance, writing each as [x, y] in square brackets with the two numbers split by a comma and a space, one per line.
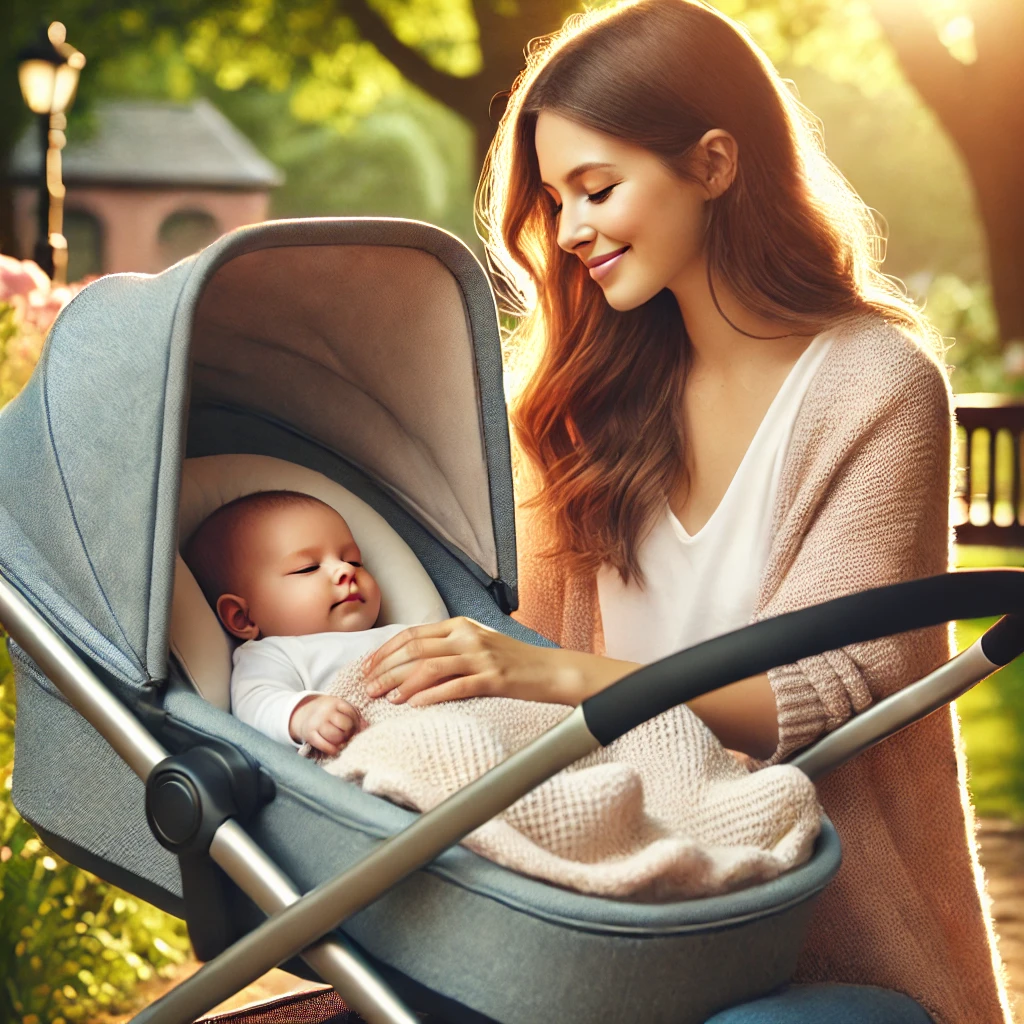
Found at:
[882, 518]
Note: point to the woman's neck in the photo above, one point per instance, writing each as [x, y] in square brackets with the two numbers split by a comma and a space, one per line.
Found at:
[717, 346]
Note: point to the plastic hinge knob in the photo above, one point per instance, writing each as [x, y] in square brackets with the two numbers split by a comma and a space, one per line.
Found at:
[174, 810]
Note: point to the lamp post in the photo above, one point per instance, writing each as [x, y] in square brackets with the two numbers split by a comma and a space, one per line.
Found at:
[48, 75]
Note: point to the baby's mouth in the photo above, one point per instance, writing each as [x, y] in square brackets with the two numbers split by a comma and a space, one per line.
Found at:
[345, 600]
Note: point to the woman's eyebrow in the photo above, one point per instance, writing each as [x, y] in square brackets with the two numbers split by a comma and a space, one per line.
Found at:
[582, 169]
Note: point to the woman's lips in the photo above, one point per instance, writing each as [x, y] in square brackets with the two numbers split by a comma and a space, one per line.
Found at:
[603, 269]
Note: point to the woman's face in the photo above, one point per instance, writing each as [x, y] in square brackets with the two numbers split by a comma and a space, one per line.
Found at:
[615, 197]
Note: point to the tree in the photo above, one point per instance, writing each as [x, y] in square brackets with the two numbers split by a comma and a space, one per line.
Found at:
[976, 94]
[338, 58]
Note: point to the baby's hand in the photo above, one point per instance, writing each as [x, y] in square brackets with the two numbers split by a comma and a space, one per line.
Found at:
[326, 723]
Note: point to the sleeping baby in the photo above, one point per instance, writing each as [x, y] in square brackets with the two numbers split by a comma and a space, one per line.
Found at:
[284, 573]
[663, 812]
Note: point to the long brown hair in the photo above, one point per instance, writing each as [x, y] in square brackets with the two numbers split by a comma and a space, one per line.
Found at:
[597, 393]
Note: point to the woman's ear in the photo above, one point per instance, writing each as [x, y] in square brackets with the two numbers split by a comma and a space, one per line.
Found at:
[721, 154]
[233, 612]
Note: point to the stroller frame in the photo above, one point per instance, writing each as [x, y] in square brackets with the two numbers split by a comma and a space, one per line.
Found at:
[298, 923]
[87, 608]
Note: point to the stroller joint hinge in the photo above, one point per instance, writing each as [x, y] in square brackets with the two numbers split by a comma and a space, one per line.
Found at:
[188, 797]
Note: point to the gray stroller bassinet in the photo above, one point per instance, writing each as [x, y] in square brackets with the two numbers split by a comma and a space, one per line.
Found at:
[358, 359]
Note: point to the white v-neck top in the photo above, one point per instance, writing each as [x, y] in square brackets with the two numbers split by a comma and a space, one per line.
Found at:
[700, 586]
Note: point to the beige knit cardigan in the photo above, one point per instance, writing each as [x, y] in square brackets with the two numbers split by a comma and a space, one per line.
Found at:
[863, 501]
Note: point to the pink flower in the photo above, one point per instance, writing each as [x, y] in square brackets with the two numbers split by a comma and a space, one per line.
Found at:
[35, 300]
[21, 277]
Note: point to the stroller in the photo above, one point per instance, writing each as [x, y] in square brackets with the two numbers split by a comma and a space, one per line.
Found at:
[159, 398]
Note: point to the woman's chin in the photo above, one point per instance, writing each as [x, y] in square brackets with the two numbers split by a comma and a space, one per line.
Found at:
[623, 299]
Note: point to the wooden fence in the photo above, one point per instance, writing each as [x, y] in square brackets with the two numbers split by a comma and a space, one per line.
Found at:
[986, 506]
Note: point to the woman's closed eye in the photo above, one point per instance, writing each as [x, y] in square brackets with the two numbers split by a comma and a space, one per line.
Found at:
[594, 197]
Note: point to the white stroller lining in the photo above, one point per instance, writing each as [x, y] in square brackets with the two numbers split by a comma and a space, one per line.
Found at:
[197, 640]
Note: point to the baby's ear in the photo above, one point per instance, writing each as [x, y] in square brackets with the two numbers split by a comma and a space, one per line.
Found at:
[233, 612]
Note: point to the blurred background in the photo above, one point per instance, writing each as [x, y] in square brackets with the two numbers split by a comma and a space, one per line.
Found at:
[187, 118]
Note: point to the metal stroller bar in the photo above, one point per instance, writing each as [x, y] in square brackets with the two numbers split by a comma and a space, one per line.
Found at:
[870, 614]
[324, 907]
[333, 959]
[913, 702]
[232, 848]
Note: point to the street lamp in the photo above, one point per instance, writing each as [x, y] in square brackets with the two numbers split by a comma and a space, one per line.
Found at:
[48, 75]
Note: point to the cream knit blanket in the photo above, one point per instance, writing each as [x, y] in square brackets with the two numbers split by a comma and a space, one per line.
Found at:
[664, 812]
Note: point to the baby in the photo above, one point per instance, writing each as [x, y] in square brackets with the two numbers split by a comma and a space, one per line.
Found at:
[284, 574]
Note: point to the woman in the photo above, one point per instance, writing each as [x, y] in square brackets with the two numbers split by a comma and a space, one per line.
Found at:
[723, 411]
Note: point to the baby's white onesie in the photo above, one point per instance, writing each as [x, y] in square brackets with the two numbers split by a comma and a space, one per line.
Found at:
[272, 675]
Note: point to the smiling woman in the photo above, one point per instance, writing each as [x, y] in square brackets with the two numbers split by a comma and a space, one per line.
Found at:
[722, 410]
[624, 199]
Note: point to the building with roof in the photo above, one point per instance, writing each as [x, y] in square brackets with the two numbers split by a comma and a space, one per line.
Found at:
[155, 182]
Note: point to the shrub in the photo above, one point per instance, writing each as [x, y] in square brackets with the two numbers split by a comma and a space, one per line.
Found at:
[71, 945]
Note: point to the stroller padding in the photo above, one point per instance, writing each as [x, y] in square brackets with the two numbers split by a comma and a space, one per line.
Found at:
[201, 646]
[364, 351]
[365, 364]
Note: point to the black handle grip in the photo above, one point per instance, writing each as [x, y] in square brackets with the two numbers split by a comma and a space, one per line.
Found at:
[787, 638]
[1005, 640]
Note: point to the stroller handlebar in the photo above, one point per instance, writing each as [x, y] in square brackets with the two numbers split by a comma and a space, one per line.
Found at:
[784, 639]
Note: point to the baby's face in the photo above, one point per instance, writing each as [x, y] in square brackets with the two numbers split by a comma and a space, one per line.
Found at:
[301, 573]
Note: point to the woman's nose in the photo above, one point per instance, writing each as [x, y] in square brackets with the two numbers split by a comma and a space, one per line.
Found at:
[573, 232]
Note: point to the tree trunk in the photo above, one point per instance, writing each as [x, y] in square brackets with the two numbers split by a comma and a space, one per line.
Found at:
[996, 173]
[979, 106]
[503, 39]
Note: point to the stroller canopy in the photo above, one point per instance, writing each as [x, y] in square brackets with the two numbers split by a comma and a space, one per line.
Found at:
[375, 338]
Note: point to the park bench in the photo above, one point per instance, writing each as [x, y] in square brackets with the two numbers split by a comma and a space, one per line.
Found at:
[986, 505]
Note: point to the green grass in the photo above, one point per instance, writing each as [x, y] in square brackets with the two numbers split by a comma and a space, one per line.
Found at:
[992, 714]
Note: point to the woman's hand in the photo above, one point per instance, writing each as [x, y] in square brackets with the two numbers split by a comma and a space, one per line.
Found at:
[460, 658]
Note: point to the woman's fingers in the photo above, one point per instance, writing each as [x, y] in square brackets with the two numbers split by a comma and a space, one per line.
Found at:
[395, 667]
[454, 689]
[421, 675]
[399, 640]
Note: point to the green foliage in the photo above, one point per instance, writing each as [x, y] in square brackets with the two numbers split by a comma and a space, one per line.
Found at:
[897, 157]
[411, 157]
[306, 49]
[18, 353]
[965, 315]
[355, 138]
[71, 946]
